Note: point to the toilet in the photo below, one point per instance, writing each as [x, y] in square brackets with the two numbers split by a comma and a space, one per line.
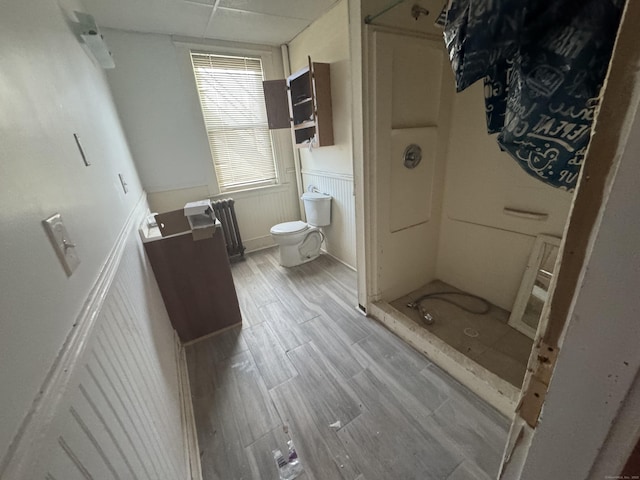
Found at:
[300, 242]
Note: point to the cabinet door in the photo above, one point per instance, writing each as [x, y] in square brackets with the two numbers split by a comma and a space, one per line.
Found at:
[194, 278]
[321, 84]
[275, 99]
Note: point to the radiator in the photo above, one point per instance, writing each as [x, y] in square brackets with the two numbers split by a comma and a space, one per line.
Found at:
[226, 213]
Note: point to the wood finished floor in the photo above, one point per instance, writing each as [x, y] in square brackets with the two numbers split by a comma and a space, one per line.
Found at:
[304, 359]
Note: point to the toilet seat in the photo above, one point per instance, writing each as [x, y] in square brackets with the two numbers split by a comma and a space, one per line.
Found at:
[289, 228]
[298, 242]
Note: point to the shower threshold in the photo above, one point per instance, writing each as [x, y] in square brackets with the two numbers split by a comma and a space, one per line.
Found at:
[481, 351]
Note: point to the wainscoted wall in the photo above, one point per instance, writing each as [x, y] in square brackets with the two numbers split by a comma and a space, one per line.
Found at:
[330, 168]
[118, 411]
[341, 234]
[259, 210]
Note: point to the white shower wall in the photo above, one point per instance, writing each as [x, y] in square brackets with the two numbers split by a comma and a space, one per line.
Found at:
[464, 237]
[482, 249]
[411, 105]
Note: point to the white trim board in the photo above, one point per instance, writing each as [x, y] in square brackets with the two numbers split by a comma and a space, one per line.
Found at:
[323, 173]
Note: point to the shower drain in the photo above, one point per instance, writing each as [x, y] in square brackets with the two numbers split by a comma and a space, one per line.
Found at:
[471, 332]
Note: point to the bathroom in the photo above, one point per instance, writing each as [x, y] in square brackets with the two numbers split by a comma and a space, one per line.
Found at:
[398, 242]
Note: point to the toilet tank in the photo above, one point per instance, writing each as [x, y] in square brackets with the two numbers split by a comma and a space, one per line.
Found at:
[317, 206]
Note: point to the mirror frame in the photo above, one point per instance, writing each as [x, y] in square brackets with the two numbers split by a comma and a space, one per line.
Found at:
[528, 281]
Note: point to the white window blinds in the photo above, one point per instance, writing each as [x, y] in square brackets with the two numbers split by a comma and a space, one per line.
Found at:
[235, 117]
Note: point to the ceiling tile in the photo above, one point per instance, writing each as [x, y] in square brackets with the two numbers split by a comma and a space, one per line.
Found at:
[307, 9]
[271, 22]
[157, 16]
[238, 25]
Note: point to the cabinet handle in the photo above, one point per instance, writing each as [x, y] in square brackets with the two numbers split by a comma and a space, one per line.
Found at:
[525, 214]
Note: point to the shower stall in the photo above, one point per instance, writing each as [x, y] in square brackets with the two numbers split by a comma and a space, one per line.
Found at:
[463, 219]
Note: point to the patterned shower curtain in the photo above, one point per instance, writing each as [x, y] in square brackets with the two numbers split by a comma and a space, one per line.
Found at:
[543, 64]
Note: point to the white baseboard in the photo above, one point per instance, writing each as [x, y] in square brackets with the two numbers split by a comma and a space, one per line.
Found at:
[192, 449]
[339, 260]
[258, 243]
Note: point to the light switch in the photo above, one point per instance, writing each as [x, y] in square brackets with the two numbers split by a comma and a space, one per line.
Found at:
[62, 243]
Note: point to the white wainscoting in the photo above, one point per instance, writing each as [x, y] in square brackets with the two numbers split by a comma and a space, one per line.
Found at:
[341, 234]
[114, 404]
[260, 209]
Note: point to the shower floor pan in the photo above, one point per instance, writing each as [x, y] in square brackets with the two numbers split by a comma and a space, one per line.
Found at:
[481, 351]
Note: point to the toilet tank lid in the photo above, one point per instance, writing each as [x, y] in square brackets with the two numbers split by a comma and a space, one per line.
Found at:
[289, 227]
[315, 196]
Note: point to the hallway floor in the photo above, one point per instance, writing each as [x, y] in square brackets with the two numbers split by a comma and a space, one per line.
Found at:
[305, 359]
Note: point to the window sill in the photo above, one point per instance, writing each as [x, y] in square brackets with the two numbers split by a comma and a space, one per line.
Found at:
[254, 192]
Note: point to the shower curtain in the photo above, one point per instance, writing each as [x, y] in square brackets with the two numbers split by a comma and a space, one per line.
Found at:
[543, 65]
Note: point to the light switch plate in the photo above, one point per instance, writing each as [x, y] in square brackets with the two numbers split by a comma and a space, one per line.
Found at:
[62, 243]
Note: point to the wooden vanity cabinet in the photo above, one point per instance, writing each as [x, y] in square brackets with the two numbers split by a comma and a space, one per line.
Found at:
[194, 277]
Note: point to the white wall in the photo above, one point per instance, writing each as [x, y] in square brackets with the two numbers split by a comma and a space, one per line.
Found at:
[331, 168]
[482, 250]
[155, 93]
[51, 88]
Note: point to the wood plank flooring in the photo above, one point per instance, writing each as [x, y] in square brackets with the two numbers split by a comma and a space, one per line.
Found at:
[305, 359]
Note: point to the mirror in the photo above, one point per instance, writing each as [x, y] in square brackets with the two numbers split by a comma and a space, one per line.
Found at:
[534, 289]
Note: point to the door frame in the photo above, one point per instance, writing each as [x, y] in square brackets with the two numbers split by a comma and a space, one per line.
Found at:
[572, 363]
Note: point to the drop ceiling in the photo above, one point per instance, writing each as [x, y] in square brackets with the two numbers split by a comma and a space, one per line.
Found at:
[268, 22]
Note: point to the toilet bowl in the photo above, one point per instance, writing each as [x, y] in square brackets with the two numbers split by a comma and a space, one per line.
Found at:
[300, 242]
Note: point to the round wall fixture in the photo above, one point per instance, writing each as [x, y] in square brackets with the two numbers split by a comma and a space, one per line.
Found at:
[412, 156]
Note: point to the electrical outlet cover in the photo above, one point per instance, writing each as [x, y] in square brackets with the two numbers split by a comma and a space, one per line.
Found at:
[62, 243]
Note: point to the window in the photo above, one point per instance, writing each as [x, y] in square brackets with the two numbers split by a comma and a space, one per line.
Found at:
[235, 117]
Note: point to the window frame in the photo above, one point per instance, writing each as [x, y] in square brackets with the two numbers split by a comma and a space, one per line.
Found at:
[271, 71]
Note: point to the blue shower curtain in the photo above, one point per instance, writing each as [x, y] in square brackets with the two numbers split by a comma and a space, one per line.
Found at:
[543, 64]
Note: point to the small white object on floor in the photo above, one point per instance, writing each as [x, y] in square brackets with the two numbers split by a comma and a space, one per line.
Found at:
[336, 425]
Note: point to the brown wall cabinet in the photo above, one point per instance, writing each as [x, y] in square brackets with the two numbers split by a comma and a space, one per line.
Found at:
[302, 102]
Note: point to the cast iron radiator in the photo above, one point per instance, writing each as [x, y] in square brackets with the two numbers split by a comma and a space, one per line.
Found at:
[226, 213]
